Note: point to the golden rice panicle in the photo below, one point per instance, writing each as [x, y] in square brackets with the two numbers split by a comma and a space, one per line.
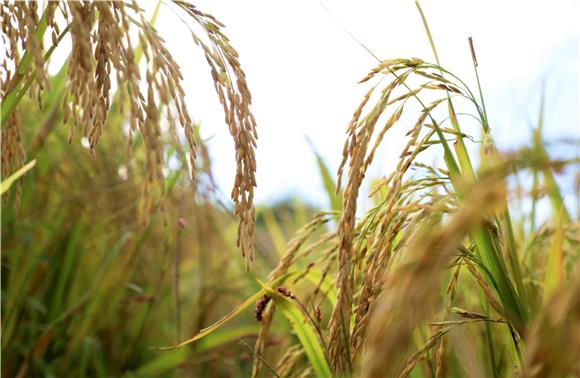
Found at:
[355, 151]
[440, 363]
[10, 39]
[80, 68]
[266, 318]
[487, 291]
[101, 46]
[19, 21]
[290, 361]
[360, 132]
[382, 248]
[163, 78]
[391, 217]
[35, 46]
[19, 25]
[12, 150]
[412, 288]
[394, 215]
[340, 319]
[234, 95]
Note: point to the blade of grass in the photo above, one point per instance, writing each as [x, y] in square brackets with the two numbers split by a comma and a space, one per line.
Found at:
[226, 336]
[304, 331]
[552, 188]
[462, 155]
[554, 275]
[22, 267]
[161, 365]
[232, 314]
[6, 184]
[66, 269]
[334, 197]
[275, 231]
[474, 60]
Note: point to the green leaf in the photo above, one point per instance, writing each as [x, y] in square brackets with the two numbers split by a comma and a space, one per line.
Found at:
[460, 150]
[328, 181]
[226, 336]
[275, 231]
[555, 267]
[304, 331]
[159, 365]
[232, 314]
[171, 180]
[6, 184]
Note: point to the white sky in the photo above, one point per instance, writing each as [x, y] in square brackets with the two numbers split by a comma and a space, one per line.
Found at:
[302, 70]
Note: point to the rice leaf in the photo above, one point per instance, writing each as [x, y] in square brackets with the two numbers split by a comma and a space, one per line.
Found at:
[554, 276]
[6, 184]
[161, 364]
[232, 314]
[275, 231]
[225, 336]
[334, 197]
[304, 331]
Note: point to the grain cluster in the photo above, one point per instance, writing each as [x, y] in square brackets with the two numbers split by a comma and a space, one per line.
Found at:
[105, 67]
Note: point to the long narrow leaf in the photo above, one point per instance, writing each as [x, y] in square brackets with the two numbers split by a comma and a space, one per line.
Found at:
[555, 267]
[304, 331]
[6, 184]
[334, 198]
[232, 314]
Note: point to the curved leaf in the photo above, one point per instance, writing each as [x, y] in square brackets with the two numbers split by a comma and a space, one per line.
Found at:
[235, 312]
[304, 330]
[6, 184]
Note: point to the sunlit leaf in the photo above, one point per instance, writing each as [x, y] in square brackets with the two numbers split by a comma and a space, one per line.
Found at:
[304, 331]
[6, 184]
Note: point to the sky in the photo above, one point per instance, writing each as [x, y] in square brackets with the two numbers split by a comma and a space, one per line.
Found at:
[302, 68]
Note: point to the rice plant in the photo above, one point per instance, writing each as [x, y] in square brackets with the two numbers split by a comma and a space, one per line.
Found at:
[122, 272]
[102, 35]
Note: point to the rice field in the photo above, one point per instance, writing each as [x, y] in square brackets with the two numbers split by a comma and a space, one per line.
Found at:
[117, 263]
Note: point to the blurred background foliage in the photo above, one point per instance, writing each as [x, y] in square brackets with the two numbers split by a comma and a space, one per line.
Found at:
[100, 267]
[89, 286]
